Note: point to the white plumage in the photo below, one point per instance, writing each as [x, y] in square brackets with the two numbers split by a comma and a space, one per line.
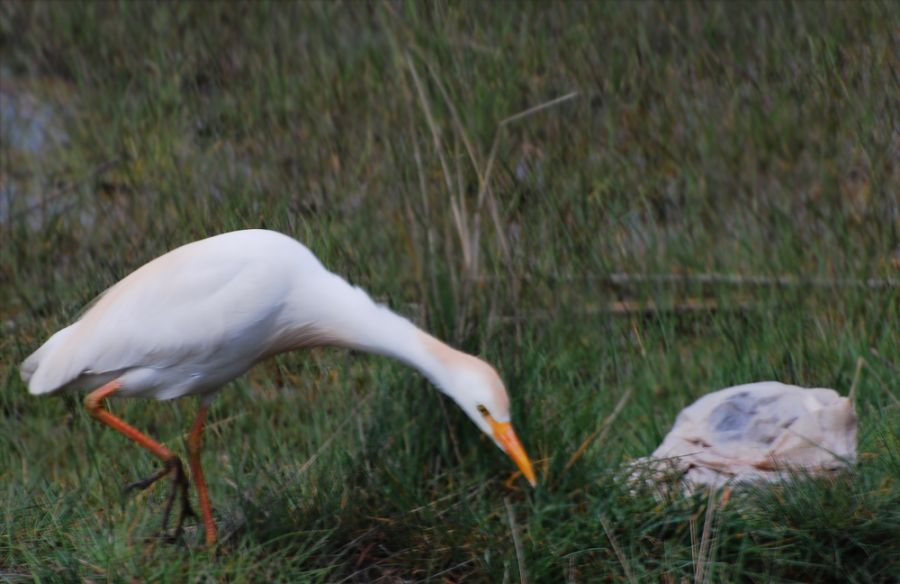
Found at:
[195, 318]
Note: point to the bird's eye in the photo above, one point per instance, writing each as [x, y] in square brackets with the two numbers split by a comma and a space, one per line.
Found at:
[483, 410]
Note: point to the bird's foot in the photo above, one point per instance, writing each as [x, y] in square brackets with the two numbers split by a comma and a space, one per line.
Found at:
[147, 482]
[179, 489]
[174, 467]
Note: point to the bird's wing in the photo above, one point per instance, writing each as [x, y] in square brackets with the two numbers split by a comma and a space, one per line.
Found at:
[175, 308]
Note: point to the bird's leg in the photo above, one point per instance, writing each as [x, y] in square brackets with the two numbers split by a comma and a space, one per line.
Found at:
[93, 402]
[195, 442]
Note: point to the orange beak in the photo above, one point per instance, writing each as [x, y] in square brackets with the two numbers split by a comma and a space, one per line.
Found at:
[506, 437]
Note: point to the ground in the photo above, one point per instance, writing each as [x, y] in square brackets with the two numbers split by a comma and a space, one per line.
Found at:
[632, 203]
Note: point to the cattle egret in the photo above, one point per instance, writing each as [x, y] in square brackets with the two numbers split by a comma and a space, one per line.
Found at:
[199, 316]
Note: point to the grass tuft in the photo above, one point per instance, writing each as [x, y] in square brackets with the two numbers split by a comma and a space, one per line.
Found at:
[622, 205]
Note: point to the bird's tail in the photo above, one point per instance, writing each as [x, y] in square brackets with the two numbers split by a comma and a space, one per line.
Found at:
[31, 368]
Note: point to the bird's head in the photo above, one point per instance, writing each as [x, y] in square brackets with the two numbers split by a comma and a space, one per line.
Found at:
[478, 390]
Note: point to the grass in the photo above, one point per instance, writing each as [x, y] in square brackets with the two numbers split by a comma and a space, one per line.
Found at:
[751, 139]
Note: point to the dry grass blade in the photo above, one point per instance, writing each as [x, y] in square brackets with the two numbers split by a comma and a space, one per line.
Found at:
[884, 387]
[601, 432]
[216, 425]
[432, 124]
[715, 278]
[617, 548]
[457, 119]
[472, 238]
[459, 224]
[623, 279]
[636, 308]
[459, 220]
[881, 358]
[859, 365]
[533, 110]
[629, 307]
[517, 542]
[701, 556]
[327, 442]
[485, 192]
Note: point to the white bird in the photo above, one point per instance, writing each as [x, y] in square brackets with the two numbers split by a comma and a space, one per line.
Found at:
[201, 315]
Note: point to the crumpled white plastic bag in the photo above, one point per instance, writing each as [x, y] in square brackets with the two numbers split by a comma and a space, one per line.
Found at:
[765, 431]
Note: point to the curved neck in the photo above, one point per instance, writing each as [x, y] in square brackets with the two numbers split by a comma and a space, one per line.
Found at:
[389, 334]
[350, 318]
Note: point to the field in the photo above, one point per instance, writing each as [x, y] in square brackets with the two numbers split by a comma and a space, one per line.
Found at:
[614, 203]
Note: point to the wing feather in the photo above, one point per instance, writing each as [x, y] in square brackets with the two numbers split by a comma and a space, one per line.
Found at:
[180, 306]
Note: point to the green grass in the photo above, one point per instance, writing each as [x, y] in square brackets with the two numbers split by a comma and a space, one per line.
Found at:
[755, 139]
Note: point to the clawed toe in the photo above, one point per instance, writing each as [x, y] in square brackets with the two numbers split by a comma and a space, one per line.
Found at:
[179, 489]
[147, 482]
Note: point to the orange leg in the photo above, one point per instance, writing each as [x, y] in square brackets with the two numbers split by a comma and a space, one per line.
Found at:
[195, 442]
[94, 404]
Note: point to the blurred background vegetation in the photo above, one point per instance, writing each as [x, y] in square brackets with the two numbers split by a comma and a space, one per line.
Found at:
[610, 201]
